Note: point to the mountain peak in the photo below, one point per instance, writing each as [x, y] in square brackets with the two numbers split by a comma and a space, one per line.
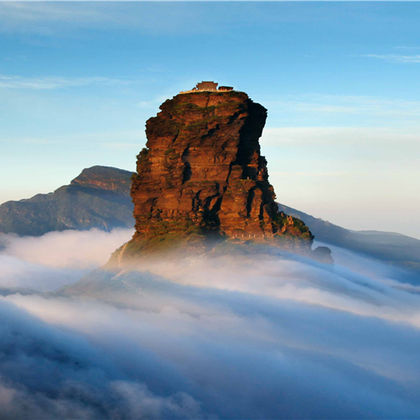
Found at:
[202, 174]
[104, 178]
[97, 198]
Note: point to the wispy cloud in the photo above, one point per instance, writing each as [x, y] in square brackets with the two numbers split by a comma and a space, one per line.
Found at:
[111, 139]
[366, 106]
[49, 83]
[396, 58]
[14, 14]
[311, 174]
[367, 137]
[52, 18]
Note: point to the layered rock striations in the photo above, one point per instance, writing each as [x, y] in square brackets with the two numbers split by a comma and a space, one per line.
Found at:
[202, 174]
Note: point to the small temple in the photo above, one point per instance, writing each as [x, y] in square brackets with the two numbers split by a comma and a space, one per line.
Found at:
[208, 86]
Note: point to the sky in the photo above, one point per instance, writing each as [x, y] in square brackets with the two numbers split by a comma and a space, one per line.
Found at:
[340, 82]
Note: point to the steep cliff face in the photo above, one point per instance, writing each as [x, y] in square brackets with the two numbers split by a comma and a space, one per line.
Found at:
[202, 174]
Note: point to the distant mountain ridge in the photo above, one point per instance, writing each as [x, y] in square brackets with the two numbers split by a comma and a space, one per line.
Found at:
[105, 178]
[97, 198]
[392, 247]
[100, 197]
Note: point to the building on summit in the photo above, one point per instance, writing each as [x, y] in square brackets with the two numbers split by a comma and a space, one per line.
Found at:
[225, 88]
[208, 86]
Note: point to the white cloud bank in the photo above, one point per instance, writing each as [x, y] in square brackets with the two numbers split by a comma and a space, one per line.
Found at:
[56, 258]
[255, 336]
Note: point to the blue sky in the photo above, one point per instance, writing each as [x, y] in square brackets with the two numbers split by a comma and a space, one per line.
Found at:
[340, 81]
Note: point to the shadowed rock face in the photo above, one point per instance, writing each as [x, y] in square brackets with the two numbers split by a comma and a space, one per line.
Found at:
[97, 198]
[202, 173]
[105, 178]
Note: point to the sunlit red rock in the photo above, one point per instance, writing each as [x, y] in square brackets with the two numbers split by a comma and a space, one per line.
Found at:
[202, 174]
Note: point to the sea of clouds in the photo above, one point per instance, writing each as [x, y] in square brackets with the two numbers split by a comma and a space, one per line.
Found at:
[267, 335]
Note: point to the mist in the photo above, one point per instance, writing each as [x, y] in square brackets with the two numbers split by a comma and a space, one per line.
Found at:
[56, 258]
[270, 335]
